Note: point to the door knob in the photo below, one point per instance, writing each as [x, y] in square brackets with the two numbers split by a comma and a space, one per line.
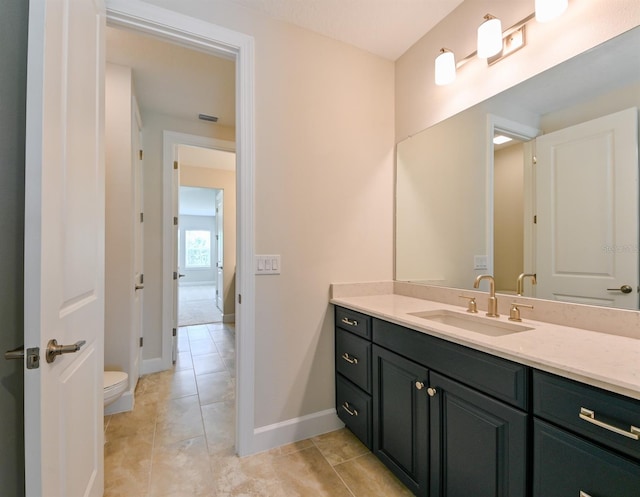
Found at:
[181, 275]
[139, 287]
[623, 289]
[15, 354]
[54, 350]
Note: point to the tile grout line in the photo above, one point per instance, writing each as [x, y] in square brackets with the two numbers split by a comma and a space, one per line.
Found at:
[333, 467]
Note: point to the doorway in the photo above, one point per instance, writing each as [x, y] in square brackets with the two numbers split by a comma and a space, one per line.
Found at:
[200, 256]
[223, 42]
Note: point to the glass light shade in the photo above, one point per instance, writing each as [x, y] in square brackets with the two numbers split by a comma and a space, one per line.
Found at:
[489, 38]
[445, 68]
[547, 10]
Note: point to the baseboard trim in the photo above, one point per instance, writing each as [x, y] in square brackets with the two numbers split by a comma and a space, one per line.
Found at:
[123, 404]
[294, 430]
[154, 365]
[229, 318]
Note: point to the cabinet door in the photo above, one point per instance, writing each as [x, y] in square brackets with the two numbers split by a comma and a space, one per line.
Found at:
[400, 418]
[565, 464]
[478, 444]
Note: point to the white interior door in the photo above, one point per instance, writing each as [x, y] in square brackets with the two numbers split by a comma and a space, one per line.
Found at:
[587, 212]
[220, 250]
[64, 247]
[138, 239]
[175, 195]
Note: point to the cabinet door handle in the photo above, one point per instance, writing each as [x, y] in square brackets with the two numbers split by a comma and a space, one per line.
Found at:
[431, 392]
[350, 322]
[349, 409]
[350, 359]
[584, 494]
[590, 416]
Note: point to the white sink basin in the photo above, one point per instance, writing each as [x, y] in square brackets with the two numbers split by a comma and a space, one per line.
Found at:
[485, 326]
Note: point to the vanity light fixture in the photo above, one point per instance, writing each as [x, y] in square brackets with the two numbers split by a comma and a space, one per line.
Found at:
[494, 44]
[445, 67]
[489, 37]
[547, 10]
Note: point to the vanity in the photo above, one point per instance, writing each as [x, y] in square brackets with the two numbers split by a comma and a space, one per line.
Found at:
[459, 404]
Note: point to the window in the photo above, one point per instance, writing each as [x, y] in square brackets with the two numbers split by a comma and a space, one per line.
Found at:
[197, 248]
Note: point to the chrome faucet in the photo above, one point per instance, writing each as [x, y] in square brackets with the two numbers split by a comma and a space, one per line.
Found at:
[492, 303]
[520, 283]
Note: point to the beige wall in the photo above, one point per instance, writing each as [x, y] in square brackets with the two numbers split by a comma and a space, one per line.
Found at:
[152, 131]
[508, 215]
[323, 197]
[420, 103]
[223, 180]
[441, 202]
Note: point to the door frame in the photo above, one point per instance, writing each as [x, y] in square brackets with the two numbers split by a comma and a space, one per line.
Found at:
[222, 42]
[170, 184]
[515, 129]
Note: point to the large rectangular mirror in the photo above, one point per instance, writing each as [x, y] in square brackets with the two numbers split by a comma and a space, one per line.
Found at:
[463, 208]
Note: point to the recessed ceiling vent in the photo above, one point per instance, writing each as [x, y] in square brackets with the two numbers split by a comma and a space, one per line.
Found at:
[206, 117]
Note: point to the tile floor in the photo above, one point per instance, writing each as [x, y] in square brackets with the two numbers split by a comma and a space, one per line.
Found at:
[178, 441]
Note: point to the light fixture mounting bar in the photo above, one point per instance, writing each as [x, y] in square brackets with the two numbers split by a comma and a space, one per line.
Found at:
[510, 44]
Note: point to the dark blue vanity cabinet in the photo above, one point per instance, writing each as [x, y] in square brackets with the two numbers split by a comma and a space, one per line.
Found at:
[586, 440]
[401, 417]
[353, 373]
[450, 421]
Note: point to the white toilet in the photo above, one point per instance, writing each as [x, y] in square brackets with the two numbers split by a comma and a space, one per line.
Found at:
[115, 383]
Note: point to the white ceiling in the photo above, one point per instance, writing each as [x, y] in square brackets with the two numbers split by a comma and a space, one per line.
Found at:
[384, 27]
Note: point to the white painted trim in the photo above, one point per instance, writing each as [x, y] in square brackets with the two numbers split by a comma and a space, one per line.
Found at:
[123, 404]
[293, 430]
[188, 31]
[150, 366]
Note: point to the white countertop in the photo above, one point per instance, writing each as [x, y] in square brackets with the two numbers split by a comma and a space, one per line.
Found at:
[599, 359]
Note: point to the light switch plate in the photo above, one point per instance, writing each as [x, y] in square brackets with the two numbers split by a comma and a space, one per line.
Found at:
[480, 262]
[267, 264]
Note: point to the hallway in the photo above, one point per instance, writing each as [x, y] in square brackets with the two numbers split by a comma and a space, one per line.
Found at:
[179, 440]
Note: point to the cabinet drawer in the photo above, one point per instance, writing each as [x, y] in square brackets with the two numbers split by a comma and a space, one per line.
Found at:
[500, 378]
[561, 401]
[566, 465]
[354, 409]
[353, 358]
[353, 321]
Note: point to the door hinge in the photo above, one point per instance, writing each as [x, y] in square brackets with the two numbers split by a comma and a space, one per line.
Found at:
[175, 221]
[175, 164]
[217, 237]
[141, 278]
[141, 341]
[175, 275]
[141, 154]
[535, 160]
[175, 332]
[142, 217]
[535, 219]
[239, 299]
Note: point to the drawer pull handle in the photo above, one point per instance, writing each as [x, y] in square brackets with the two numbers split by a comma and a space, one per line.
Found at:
[349, 322]
[584, 494]
[350, 359]
[590, 416]
[349, 409]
